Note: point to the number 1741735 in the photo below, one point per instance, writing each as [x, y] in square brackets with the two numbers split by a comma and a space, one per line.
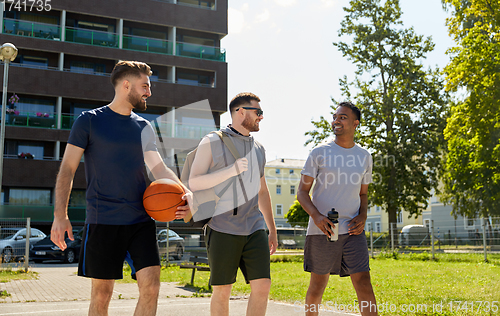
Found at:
[26, 5]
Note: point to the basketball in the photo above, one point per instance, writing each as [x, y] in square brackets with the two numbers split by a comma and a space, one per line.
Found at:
[161, 199]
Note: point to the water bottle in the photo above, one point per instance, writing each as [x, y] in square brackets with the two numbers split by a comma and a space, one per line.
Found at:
[333, 217]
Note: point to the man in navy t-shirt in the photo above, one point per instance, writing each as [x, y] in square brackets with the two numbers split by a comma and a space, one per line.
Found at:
[116, 143]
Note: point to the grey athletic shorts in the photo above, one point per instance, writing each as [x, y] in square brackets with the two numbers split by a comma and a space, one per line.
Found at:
[344, 257]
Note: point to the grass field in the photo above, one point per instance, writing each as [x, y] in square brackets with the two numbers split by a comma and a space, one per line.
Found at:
[404, 284]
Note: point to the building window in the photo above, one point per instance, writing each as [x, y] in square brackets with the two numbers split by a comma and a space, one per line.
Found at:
[292, 190]
[427, 223]
[278, 189]
[400, 218]
[377, 227]
[279, 209]
[36, 150]
[278, 171]
[292, 171]
[29, 197]
[368, 227]
[377, 209]
[468, 223]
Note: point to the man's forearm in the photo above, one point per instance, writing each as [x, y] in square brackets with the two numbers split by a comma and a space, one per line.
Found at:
[363, 207]
[267, 210]
[64, 184]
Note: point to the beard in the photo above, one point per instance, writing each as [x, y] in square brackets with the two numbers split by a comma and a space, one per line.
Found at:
[137, 102]
[250, 125]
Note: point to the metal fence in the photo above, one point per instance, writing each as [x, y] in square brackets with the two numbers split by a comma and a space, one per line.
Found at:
[16, 237]
[454, 236]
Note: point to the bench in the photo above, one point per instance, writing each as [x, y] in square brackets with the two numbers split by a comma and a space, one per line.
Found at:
[196, 257]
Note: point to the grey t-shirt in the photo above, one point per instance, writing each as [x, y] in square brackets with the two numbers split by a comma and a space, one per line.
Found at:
[339, 173]
[248, 218]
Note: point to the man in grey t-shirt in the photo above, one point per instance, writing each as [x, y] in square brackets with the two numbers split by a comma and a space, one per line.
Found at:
[342, 171]
[236, 236]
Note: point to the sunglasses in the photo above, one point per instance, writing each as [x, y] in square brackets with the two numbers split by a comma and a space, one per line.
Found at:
[259, 111]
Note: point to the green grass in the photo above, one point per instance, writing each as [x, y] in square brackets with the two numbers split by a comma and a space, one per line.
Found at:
[8, 274]
[399, 281]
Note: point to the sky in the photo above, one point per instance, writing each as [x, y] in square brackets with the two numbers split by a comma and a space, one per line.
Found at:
[282, 51]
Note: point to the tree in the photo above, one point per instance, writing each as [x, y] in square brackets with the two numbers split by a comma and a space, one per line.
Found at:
[403, 106]
[472, 174]
[297, 215]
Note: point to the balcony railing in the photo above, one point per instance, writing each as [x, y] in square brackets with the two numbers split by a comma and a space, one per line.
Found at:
[31, 119]
[145, 44]
[31, 29]
[109, 39]
[186, 131]
[200, 51]
[40, 213]
[98, 38]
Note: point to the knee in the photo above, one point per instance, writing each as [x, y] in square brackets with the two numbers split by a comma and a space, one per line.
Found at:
[362, 281]
[221, 292]
[150, 289]
[102, 294]
[316, 290]
[261, 287]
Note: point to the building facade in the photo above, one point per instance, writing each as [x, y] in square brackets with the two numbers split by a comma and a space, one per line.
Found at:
[66, 52]
[283, 178]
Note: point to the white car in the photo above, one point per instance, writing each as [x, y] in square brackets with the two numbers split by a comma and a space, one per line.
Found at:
[13, 242]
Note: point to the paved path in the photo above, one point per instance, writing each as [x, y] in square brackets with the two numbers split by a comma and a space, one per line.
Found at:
[59, 291]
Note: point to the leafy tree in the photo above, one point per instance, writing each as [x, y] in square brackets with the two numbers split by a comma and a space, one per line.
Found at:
[472, 177]
[297, 215]
[403, 105]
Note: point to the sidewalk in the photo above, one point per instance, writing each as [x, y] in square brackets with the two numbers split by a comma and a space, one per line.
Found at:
[59, 291]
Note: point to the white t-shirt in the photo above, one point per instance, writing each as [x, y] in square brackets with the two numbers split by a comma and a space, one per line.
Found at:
[339, 173]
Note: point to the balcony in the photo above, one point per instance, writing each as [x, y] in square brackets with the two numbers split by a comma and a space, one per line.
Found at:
[97, 38]
[40, 213]
[31, 29]
[31, 119]
[184, 131]
[109, 39]
[200, 51]
[145, 44]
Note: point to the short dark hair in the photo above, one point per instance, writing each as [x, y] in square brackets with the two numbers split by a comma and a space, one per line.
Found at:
[127, 68]
[240, 99]
[354, 108]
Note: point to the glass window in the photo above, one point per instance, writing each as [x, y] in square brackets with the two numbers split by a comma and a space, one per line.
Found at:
[400, 218]
[377, 227]
[36, 150]
[32, 106]
[35, 61]
[292, 190]
[368, 227]
[377, 209]
[279, 209]
[468, 223]
[278, 189]
[77, 198]
[29, 196]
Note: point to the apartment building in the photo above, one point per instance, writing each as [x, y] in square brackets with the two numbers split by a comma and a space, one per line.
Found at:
[282, 178]
[66, 52]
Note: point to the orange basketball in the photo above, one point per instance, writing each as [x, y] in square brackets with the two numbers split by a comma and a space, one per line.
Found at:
[161, 199]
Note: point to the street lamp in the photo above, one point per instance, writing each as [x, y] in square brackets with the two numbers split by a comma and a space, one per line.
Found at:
[8, 53]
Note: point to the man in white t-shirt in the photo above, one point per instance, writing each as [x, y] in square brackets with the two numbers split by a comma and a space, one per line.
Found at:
[342, 171]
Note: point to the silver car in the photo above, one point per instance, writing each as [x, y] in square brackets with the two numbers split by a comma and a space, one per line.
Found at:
[175, 244]
[13, 242]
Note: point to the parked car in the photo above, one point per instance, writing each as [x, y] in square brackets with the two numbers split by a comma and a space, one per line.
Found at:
[289, 237]
[47, 250]
[413, 235]
[13, 242]
[175, 244]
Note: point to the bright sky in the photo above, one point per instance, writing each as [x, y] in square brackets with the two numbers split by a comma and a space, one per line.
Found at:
[282, 51]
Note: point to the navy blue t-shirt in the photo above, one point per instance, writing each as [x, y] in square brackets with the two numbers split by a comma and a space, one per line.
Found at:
[114, 164]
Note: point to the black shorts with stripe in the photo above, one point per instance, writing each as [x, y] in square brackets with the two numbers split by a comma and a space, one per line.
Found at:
[106, 247]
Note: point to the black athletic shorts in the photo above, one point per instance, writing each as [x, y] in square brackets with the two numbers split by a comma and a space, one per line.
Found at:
[106, 247]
